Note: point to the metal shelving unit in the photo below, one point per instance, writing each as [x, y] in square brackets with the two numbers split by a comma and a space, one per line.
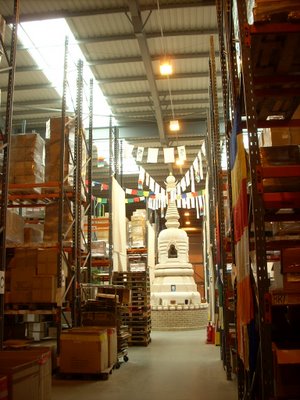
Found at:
[269, 84]
[5, 153]
[73, 200]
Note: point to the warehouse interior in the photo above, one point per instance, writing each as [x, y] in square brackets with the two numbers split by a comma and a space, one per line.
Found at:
[149, 213]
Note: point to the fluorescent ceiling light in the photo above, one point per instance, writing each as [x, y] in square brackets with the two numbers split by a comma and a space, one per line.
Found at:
[45, 41]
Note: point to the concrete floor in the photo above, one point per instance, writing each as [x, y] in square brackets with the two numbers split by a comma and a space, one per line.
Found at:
[176, 365]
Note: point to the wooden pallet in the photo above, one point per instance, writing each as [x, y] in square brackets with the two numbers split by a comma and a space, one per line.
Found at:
[83, 376]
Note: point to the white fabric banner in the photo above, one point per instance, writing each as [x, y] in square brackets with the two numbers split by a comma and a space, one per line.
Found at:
[128, 150]
[163, 201]
[147, 179]
[197, 208]
[141, 176]
[173, 195]
[203, 149]
[188, 203]
[181, 153]
[183, 202]
[152, 155]
[156, 188]
[192, 179]
[152, 184]
[150, 203]
[169, 155]
[139, 154]
[200, 164]
[187, 178]
[178, 189]
[183, 184]
[192, 186]
[119, 224]
[200, 200]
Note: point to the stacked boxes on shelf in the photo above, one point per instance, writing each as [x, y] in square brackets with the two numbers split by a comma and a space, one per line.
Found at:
[36, 326]
[27, 160]
[137, 229]
[52, 174]
[139, 311]
[291, 269]
[14, 228]
[54, 150]
[33, 275]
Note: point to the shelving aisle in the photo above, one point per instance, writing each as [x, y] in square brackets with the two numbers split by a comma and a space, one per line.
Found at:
[177, 366]
[260, 76]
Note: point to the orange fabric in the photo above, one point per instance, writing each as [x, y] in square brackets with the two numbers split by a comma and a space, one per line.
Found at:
[245, 314]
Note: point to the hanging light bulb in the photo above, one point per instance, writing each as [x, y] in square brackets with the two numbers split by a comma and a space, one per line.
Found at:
[174, 125]
[179, 162]
[166, 68]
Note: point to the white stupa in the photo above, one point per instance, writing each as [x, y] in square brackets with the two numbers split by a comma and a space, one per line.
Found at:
[173, 283]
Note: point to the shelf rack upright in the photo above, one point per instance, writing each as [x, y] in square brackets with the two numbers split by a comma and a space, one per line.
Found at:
[5, 150]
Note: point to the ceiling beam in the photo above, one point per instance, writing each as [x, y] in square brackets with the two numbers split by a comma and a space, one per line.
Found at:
[150, 35]
[42, 86]
[167, 113]
[122, 60]
[34, 103]
[86, 12]
[161, 93]
[138, 28]
[162, 103]
[119, 79]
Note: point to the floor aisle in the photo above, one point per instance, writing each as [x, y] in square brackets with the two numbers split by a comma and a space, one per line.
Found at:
[176, 365]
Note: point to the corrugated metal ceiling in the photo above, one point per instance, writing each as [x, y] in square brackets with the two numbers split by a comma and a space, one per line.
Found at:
[126, 62]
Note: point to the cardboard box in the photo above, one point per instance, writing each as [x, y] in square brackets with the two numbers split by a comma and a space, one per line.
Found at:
[37, 327]
[112, 346]
[112, 343]
[32, 318]
[20, 296]
[3, 387]
[47, 262]
[44, 289]
[280, 136]
[23, 376]
[290, 259]
[33, 233]
[286, 364]
[84, 350]
[52, 331]
[291, 282]
[24, 258]
[14, 227]
[22, 278]
[100, 318]
[41, 356]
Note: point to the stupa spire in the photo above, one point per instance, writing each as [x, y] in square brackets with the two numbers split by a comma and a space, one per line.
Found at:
[172, 215]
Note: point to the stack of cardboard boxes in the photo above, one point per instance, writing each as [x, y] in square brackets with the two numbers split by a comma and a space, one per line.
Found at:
[137, 229]
[27, 159]
[33, 276]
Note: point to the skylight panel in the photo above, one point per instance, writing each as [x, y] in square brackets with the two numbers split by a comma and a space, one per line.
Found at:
[45, 40]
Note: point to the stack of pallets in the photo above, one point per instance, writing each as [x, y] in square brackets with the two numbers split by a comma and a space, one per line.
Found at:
[139, 311]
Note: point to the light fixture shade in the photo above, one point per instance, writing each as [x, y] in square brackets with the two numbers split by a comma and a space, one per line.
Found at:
[174, 125]
[166, 68]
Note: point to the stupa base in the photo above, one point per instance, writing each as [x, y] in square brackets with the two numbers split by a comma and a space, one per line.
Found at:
[176, 317]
